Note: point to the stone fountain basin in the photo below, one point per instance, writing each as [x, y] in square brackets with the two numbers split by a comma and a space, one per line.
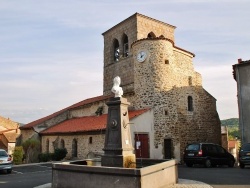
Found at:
[149, 174]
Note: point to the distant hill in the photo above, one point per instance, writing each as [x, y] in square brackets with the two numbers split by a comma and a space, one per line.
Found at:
[233, 127]
[232, 122]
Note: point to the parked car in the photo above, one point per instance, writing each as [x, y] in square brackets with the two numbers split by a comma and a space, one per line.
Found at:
[5, 161]
[244, 155]
[207, 154]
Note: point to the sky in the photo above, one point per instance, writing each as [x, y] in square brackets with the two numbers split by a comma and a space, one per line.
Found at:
[51, 52]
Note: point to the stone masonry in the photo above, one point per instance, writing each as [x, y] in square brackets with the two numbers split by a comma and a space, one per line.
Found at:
[164, 82]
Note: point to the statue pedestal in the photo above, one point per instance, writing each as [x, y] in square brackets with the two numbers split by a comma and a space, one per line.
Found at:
[118, 149]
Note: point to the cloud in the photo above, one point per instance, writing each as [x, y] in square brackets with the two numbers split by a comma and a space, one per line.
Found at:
[52, 51]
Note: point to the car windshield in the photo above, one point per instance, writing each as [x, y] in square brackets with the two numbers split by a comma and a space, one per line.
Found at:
[3, 154]
[193, 147]
[246, 147]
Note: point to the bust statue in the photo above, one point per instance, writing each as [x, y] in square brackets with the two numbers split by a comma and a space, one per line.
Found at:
[116, 89]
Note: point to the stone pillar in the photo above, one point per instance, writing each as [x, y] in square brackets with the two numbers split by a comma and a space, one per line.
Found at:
[118, 149]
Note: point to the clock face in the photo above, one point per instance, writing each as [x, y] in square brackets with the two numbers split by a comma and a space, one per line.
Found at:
[141, 56]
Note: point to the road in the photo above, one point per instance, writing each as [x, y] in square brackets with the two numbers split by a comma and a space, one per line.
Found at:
[219, 177]
[29, 176]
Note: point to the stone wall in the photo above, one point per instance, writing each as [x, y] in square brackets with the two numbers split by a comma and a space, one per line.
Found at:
[164, 82]
[83, 145]
[146, 25]
[124, 66]
[27, 134]
[135, 27]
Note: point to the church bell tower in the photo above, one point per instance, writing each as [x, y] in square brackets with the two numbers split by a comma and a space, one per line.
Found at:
[118, 56]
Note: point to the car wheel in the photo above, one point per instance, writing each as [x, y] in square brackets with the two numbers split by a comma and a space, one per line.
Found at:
[189, 164]
[208, 163]
[9, 171]
[231, 163]
[242, 165]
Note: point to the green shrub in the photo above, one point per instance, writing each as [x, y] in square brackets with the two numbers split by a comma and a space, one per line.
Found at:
[59, 154]
[45, 157]
[18, 155]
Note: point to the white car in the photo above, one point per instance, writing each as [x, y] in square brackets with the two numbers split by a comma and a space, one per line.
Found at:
[5, 161]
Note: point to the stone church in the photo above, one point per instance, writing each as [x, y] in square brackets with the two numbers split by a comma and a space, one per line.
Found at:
[169, 107]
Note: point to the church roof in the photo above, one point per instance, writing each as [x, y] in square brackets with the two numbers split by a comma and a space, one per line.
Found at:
[86, 124]
[134, 17]
[76, 105]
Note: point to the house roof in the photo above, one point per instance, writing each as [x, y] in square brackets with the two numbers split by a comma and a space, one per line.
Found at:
[11, 136]
[85, 124]
[232, 143]
[240, 63]
[7, 123]
[76, 105]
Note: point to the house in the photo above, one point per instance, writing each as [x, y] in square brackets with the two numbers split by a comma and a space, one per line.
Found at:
[232, 146]
[241, 74]
[224, 137]
[158, 79]
[9, 131]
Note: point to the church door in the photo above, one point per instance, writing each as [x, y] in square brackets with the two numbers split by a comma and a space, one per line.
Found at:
[141, 145]
[167, 148]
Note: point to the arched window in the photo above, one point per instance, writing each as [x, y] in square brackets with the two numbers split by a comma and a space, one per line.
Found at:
[116, 50]
[62, 143]
[47, 145]
[125, 45]
[90, 140]
[151, 35]
[74, 148]
[190, 104]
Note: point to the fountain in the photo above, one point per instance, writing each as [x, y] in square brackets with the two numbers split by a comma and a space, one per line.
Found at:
[119, 167]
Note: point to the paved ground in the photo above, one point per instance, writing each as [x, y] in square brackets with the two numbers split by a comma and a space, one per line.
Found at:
[182, 183]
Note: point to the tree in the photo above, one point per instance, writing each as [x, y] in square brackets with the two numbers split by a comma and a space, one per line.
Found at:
[31, 149]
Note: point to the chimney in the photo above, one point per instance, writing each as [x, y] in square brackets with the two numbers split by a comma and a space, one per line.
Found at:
[239, 61]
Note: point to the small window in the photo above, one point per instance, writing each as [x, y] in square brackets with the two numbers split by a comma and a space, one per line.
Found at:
[47, 146]
[165, 112]
[125, 45]
[166, 61]
[190, 80]
[116, 50]
[74, 148]
[62, 143]
[90, 140]
[190, 104]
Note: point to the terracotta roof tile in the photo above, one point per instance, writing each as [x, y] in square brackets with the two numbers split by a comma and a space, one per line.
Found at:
[7, 123]
[85, 124]
[11, 136]
[84, 102]
[232, 143]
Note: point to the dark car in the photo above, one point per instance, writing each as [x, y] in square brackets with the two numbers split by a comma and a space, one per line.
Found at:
[207, 154]
[5, 161]
[244, 155]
